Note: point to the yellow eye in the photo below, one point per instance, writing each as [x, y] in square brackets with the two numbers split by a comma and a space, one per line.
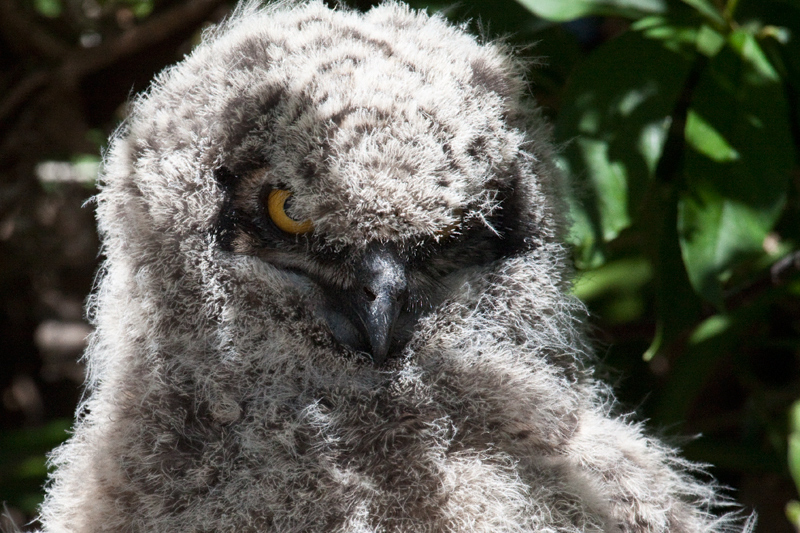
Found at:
[275, 207]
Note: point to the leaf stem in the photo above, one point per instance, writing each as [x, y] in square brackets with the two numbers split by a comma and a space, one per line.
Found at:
[671, 161]
[730, 9]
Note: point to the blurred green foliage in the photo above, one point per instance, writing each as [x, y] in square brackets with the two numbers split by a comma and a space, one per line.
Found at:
[55, 8]
[23, 465]
[679, 123]
[682, 134]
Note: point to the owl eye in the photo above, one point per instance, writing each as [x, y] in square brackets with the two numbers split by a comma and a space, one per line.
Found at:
[276, 203]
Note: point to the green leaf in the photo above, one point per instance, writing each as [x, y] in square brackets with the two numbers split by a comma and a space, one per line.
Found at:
[794, 424]
[615, 128]
[495, 16]
[561, 10]
[582, 234]
[762, 72]
[623, 275]
[691, 370]
[737, 166]
[711, 327]
[783, 51]
[715, 232]
[612, 182]
[709, 41]
[707, 9]
[677, 303]
[702, 136]
[715, 338]
[779, 35]
[675, 35]
[793, 512]
[616, 289]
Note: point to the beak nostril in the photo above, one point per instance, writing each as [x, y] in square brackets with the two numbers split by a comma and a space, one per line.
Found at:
[370, 295]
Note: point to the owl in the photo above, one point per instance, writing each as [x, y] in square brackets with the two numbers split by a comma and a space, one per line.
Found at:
[336, 298]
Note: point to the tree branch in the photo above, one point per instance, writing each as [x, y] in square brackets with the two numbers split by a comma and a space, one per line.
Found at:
[22, 91]
[80, 62]
[138, 38]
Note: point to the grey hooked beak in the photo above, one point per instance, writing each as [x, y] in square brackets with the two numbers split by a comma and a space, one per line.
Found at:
[378, 297]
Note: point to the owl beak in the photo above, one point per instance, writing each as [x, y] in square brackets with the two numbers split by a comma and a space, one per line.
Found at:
[381, 293]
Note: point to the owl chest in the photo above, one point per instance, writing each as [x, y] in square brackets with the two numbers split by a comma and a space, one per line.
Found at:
[361, 471]
[408, 472]
[288, 457]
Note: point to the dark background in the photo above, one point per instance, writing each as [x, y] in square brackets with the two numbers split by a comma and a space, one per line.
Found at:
[687, 250]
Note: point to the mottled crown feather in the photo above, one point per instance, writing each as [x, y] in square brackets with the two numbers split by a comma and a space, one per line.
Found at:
[330, 102]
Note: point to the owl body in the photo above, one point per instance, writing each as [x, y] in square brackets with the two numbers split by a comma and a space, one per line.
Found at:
[402, 355]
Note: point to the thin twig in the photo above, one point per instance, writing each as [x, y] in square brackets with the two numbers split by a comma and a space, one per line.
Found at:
[78, 63]
[783, 269]
[22, 91]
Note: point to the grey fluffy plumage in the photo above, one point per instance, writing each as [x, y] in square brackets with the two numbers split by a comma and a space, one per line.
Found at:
[226, 391]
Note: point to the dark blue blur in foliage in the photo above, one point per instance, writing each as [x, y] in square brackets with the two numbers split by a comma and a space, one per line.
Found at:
[679, 124]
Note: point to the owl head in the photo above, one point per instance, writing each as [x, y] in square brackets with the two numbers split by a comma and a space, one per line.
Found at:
[321, 182]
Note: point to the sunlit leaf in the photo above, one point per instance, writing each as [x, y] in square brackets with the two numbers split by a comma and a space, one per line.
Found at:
[711, 327]
[709, 41]
[738, 166]
[762, 72]
[706, 140]
[674, 35]
[715, 231]
[707, 9]
[142, 8]
[623, 275]
[560, 10]
[612, 185]
[614, 127]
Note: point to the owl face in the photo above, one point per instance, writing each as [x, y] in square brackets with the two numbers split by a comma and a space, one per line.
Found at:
[369, 292]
